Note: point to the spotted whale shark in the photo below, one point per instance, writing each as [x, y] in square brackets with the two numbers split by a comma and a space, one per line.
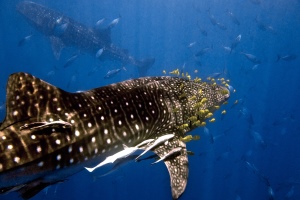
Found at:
[49, 134]
[64, 31]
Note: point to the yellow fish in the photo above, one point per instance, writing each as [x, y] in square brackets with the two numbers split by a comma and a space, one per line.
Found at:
[189, 138]
[175, 72]
[212, 120]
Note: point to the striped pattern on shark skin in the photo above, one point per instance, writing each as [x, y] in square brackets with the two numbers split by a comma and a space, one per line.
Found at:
[49, 134]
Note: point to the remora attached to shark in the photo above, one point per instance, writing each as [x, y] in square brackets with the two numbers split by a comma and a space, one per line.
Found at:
[49, 134]
[64, 31]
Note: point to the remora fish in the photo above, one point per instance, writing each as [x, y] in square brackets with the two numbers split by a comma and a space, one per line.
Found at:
[64, 31]
[49, 134]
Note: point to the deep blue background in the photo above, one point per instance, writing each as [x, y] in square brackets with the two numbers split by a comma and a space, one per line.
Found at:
[164, 29]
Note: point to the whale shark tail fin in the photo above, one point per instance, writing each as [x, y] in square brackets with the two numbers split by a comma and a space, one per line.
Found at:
[144, 65]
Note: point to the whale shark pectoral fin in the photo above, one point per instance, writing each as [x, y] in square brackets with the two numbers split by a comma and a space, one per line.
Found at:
[177, 165]
[57, 46]
[105, 35]
[178, 170]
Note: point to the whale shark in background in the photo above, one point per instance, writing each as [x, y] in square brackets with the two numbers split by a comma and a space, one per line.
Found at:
[64, 31]
[49, 134]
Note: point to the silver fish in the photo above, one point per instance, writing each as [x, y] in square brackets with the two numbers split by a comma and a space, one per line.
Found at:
[236, 41]
[288, 57]
[251, 57]
[100, 22]
[112, 73]
[71, 60]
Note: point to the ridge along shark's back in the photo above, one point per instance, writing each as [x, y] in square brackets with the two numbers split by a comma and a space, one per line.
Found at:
[28, 97]
[49, 134]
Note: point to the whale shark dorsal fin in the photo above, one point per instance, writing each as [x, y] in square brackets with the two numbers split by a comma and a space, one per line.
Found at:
[105, 34]
[177, 165]
[27, 98]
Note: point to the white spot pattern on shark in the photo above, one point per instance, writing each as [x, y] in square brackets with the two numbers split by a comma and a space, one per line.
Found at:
[41, 141]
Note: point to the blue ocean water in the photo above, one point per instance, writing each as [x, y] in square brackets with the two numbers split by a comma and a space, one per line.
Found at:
[253, 148]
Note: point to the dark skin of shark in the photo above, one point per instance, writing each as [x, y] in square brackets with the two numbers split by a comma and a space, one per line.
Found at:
[50, 132]
[64, 31]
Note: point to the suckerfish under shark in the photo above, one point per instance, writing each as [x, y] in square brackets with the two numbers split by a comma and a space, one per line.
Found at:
[49, 134]
[64, 31]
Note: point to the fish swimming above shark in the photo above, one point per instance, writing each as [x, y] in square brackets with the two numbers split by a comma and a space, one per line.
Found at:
[64, 31]
[49, 134]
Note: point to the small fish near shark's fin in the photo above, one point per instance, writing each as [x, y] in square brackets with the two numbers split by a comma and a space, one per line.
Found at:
[177, 165]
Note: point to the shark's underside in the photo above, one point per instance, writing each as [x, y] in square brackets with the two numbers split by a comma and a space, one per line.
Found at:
[49, 134]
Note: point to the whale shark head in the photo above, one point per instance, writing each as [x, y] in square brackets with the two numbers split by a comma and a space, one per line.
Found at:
[49, 134]
[43, 19]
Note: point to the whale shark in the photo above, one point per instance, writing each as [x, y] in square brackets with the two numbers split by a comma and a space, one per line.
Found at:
[49, 134]
[64, 31]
